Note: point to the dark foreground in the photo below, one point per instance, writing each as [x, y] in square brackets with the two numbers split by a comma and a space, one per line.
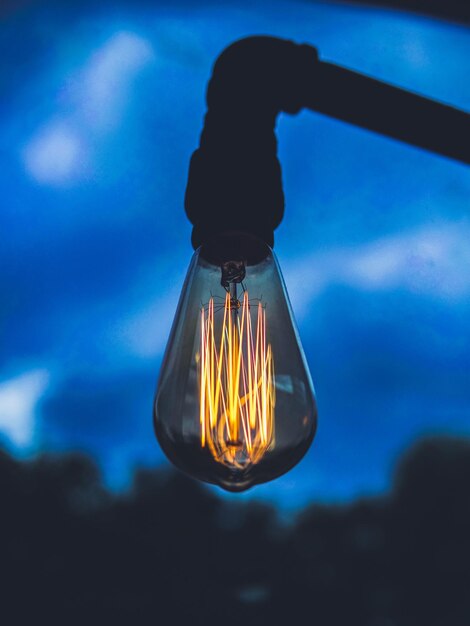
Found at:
[170, 553]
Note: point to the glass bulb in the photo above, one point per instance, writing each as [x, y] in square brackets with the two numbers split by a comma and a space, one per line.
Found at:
[235, 404]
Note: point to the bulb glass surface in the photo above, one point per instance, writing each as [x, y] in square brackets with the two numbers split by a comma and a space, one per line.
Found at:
[235, 404]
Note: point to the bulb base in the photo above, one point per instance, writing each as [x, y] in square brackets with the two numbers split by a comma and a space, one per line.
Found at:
[234, 247]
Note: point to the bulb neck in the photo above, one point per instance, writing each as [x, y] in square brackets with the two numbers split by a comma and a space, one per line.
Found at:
[206, 232]
[233, 251]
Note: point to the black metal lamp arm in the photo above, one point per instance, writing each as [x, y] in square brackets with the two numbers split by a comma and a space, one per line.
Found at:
[235, 181]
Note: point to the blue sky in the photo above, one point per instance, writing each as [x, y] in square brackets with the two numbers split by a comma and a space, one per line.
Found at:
[99, 115]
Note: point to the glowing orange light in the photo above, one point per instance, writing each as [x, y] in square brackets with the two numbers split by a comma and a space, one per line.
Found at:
[236, 378]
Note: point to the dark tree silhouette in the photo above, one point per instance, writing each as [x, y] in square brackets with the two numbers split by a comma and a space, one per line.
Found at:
[169, 552]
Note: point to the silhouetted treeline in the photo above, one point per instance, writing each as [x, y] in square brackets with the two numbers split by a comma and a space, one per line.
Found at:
[170, 553]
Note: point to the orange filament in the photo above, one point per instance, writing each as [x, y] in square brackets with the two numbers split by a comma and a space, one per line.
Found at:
[236, 378]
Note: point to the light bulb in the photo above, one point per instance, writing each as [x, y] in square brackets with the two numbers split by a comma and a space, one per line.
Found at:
[235, 404]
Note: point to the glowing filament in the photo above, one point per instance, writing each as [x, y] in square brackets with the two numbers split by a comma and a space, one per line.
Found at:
[236, 378]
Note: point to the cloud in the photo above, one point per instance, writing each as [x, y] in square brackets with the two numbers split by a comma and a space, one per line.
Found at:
[54, 155]
[19, 397]
[144, 332]
[95, 100]
[433, 261]
[104, 85]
